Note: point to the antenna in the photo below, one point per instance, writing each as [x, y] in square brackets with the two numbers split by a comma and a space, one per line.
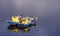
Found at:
[20, 12]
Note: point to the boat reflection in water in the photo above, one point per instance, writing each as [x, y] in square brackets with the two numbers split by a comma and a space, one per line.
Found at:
[14, 28]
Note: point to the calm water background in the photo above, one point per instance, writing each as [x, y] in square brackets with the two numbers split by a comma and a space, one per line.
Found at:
[48, 12]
